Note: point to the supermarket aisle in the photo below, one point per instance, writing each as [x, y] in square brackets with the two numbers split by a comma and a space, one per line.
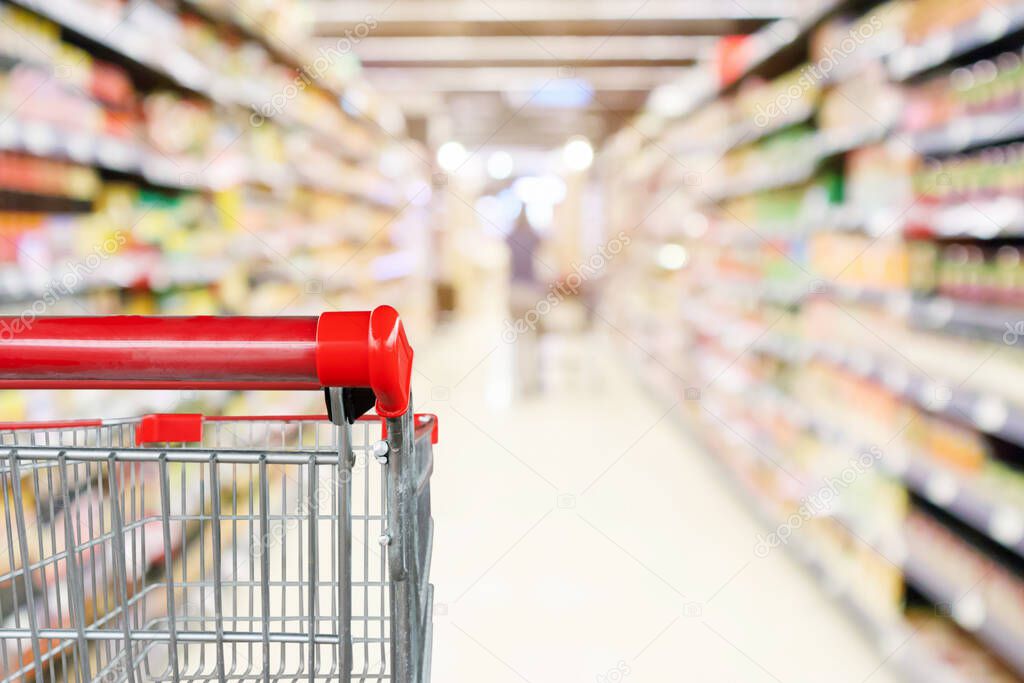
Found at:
[580, 538]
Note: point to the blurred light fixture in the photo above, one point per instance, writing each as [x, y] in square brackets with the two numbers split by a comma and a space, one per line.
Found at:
[673, 257]
[563, 92]
[578, 154]
[669, 100]
[451, 155]
[500, 165]
[540, 189]
[499, 211]
[540, 215]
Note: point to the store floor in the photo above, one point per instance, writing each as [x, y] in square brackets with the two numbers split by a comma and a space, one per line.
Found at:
[580, 537]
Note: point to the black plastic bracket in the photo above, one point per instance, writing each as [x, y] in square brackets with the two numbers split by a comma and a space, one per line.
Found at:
[355, 402]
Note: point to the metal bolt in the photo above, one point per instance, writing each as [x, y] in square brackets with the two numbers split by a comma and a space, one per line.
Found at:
[384, 539]
[380, 452]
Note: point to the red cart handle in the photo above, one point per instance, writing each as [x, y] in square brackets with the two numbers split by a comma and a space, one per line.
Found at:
[338, 349]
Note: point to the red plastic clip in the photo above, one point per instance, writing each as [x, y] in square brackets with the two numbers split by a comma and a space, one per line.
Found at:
[169, 428]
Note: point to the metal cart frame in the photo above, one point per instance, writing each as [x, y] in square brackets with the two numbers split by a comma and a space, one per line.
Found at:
[360, 360]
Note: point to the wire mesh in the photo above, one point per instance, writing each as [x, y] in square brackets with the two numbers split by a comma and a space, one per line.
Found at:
[194, 562]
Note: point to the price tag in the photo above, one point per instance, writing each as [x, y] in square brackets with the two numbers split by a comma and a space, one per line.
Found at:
[969, 611]
[961, 132]
[993, 24]
[939, 313]
[940, 48]
[990, 413]
[896, 462]
[79, 147]
[39, 138]
[896, 378]
[114, 154]
[1007, 526]
[941, 489]
[9, 134]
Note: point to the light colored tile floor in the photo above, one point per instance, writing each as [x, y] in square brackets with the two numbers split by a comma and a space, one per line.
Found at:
[580, 537]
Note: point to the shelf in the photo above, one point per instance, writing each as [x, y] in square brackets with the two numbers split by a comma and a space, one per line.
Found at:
[18, 200]
[169, 63]
[785, 177]
[965, 134]
[247, 27]
[998, 324]
[740, 135]
[1001, 522]
[825, 145]
[782, 35]
[123, 274]
[992, 25]
[122, 38]
[101, 151]
[994, 323]
[974, 220]
[991, 414]
[914, 662]
[835, 142]
[774, 39]
[109, 153]
[989, 631]
[1004, 524]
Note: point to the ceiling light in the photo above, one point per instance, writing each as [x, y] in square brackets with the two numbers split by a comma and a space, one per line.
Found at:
[673, 257]
[578, 154]
[500, 165]
[451, 156]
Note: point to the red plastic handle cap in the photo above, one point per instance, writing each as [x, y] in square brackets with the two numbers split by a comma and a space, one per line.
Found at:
[390, 362]
[383, 361]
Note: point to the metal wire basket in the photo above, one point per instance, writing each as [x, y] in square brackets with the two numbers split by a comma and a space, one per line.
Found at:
[190, 548]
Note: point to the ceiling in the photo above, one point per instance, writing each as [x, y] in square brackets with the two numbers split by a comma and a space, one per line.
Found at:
[530, 73]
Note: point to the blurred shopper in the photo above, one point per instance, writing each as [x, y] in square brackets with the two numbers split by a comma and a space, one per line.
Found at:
[525, 291]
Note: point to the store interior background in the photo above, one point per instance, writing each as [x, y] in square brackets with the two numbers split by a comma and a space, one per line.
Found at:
[751, 413]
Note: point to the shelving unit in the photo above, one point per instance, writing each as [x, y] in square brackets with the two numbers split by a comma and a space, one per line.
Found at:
[174, 158]
[847, 299]
[287, 199]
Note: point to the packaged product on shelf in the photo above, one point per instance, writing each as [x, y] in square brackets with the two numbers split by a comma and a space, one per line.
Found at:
[969, 271]
[708, 125]
[789, 151]
[26, 36]
[179, 127]
[861, 108]
[984, 88]
[946, 443]
[47, 177]
[960, 653]
[791, 98]
[846, 44]
[992, 174]
[786, 211]
[878, 181]
[928, 18]
[860, 261]
[31, 94]
[954, 565]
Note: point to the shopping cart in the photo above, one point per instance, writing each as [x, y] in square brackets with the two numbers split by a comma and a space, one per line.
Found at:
[190, 548]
